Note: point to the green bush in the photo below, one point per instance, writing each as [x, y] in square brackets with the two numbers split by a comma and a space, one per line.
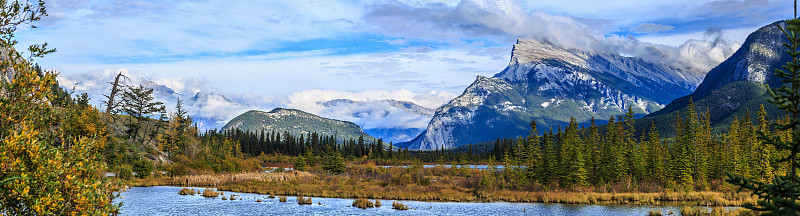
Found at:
[143, 168]
[300, 164]
[124, 172]
[335, 164]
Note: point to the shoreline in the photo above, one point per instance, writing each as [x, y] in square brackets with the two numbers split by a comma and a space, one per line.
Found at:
[302, 184]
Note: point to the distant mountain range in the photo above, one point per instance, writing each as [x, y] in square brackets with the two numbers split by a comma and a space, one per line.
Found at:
[295, 122]
[212, 110]
[550, 84]
[736, 85]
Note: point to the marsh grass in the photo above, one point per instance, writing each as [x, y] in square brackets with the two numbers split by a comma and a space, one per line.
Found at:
[399, 206]
[362, 203]
[377, 203]
[449, 184]
[304, 201]
[186, 191]
[208, 193]
[654, 213]
[218, 179]
[282, 199]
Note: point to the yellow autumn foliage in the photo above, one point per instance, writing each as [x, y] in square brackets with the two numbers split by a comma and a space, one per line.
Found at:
[50, 158]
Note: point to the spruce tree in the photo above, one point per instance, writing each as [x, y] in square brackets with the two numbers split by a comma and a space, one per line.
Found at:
[682, 155]
[549, 167]
[782, 195]
[300, 164]
[138, 103]
[534, 160]
[655, 156]
[593, 144]
[764, 153]
[573, 163]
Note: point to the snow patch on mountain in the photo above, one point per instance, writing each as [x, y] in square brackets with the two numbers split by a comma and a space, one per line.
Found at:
[550, 84]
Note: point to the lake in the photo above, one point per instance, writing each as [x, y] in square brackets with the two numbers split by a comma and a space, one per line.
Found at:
[164, 200]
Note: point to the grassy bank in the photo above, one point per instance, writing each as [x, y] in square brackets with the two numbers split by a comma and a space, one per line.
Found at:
[453, 184]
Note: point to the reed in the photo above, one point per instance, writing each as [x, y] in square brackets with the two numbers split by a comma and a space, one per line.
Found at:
[377, 203]
[399, 206]
[186, 191]
[218, 179]
[362, 203]
[208, 193]
[654, 213]
[304, 201]
[692, 211]
[282, 199]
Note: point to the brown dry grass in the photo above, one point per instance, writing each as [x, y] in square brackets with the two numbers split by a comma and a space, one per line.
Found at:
[219, 179]
[453, 184]
[304, 201]
[362, 203]
[703, 198]
[210, 193]
[399, 206]
[186, 191]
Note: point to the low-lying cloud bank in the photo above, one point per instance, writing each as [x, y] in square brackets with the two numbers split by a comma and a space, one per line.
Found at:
[212, 109]
[505, 21]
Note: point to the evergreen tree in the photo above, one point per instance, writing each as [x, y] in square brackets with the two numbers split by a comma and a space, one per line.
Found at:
[782, 195]
[300, 164]
[534, 161]
[335, 163]
[593, 145]
[655, 155]
[139, 104]
[682, 161]
[549, 169]
[764, 153]
[573, 160]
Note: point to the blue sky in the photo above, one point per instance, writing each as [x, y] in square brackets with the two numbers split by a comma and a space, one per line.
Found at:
[422, 51]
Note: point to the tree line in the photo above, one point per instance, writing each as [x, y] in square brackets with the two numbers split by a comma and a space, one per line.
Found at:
[695, 159]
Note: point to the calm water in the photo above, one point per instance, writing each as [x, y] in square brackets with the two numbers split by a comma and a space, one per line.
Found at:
[166, 201]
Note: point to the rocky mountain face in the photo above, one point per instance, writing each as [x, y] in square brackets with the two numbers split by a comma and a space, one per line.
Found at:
[736, 85]
[550, 84]
[756, 61]
[295, 122]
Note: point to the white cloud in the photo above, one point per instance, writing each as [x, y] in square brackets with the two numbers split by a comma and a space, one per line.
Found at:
[505, 20]
[212, 109]
[308, 99]
[647, 28]
[435, 69]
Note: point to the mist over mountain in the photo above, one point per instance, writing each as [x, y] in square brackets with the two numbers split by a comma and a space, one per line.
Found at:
[736, 85]
[551, 84]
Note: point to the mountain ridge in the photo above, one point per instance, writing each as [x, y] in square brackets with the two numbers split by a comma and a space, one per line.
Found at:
[550, 84]
[295, 122]
[736, 85]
